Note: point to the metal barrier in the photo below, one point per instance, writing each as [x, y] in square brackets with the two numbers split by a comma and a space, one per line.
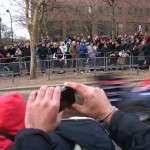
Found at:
[101, 61]
[5, 71]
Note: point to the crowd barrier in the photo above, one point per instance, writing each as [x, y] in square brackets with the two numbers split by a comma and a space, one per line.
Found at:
[101, 61]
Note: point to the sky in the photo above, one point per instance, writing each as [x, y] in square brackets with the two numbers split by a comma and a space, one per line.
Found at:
[18, 30]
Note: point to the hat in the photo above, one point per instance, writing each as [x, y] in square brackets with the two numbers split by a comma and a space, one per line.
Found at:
[12, 115]
[66, 39]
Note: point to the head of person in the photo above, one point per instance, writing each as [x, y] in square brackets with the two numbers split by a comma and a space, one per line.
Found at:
[137, 40]
[58, 50]
[73, 43]
[27, 44]
[10, 46]
[82, 43]
[6, 48]
[78, 38]
[105, 45]
[55, 45]
[48, 44]
[62, 43]
[12, 115]
[89, 37]
[43, 44]
[91, 43]
[8, 55]
[78, 43]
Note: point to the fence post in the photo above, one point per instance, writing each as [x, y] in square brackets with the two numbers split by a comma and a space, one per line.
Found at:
[20, 63]
[49, 62]
[12, 76]
[105, 62]
[138, 69]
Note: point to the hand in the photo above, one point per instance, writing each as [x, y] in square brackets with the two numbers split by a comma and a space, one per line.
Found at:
[95, 101]
[42, 109]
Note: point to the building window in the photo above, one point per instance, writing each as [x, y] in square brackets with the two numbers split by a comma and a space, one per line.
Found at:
[75, 28]
[132, 27]
[100, 9]
[119, 27]
[129, 27]
[147, 11]
[104, 28]
[129, 10]
[119, 10]
[108, 10]
[146, 28]
[141, 11]
[135, 27]
[136, 11]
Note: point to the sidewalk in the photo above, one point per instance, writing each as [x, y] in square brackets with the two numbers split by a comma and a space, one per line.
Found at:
[24, 83]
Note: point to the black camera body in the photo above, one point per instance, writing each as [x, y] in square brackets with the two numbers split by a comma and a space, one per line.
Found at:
[67, 97]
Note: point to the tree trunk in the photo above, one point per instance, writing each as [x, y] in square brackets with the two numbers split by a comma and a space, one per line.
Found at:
[32, 62]
[113, 21]
[33, 29]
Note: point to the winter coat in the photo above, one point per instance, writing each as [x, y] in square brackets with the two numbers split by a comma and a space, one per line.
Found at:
[12, 115]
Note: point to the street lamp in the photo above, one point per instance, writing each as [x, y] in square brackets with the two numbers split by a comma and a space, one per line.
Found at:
[0, 28]
[11, 24]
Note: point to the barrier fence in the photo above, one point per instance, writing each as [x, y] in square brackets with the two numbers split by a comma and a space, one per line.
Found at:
[101, 61]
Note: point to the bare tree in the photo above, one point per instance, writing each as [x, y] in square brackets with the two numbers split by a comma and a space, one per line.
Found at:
[113, 4]
[86, 11]
[32, 19]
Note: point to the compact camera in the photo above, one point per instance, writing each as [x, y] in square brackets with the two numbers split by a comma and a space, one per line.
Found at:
[67, 97]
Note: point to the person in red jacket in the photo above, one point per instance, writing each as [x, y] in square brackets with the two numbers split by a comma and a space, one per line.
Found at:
[12, 114]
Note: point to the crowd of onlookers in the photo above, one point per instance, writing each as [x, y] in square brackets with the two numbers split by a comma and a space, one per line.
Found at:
[77, 51]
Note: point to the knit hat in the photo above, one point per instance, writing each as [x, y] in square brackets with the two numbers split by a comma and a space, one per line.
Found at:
[12, 114]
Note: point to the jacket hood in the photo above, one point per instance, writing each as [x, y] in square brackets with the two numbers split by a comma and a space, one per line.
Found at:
[12, 114]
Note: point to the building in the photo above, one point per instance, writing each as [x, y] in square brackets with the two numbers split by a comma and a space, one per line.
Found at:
[83, 17]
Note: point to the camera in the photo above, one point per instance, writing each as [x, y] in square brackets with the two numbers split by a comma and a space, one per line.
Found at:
[67, 97]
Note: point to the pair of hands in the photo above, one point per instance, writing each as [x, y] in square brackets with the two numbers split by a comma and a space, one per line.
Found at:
[42, 110]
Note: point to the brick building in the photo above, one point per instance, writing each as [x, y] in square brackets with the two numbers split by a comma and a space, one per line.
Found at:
[79, 17]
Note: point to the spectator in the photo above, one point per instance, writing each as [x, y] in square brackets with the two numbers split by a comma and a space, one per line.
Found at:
[12, 50]
[91, 50]
[122, 60]
[27, 54]
[1, 56]
[18, 52]
[113, 59]
[12, 115]
[141, 53]
[48, 39]
[1, 49]
[67, 52]
[147, 53]
[42, 55]
[89, 39]
[59, 60]
[82, 51]
[54, 47]
[62, 47]
[37, 56]
[74, 53]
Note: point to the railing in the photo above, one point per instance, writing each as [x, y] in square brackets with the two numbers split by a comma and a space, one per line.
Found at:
[21, 65]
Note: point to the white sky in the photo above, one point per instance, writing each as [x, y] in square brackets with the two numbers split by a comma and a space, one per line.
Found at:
[18, 30]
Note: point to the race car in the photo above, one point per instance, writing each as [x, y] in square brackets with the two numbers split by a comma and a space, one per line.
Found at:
[126, 96]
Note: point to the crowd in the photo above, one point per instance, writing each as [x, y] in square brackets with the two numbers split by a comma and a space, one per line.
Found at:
[76, 51]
